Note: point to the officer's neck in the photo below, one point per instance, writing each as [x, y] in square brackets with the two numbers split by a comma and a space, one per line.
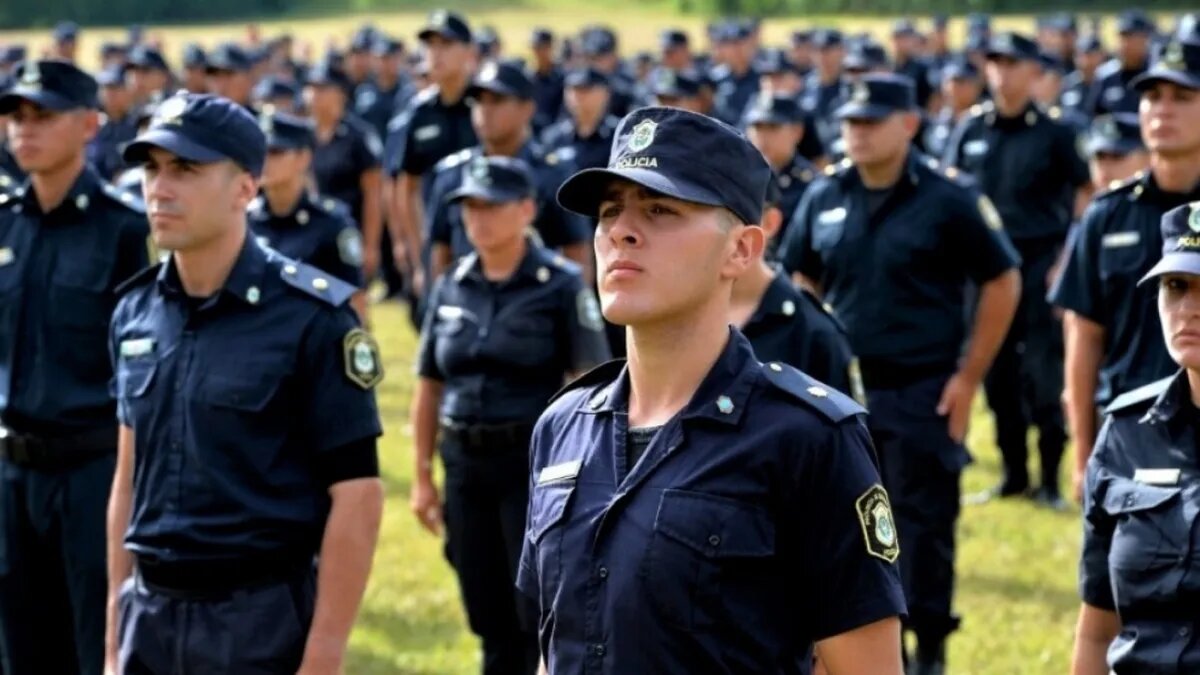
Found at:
[500, 263]
[884, 174]
[203, 270]
[1194, 386]
[51, 187]
[1013, 107]
[1180, 175]
[451, 89]
[668, 361]
[282, 198]
[586, 122]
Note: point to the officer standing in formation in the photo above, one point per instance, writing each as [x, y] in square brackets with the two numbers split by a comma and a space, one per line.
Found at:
[588, 131]
[1138, 574]
[775, 125]
[504, 330]
[67, 240]
[291, 219]
[247, 443]
[1029, 166]
[894, 246]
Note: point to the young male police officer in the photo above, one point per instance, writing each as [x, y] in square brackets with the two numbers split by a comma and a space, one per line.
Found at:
[248, 427]
[693, 462]
[67, 240]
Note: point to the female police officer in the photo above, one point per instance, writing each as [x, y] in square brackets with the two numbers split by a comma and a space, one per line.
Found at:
[1140, 572]
[504, 328]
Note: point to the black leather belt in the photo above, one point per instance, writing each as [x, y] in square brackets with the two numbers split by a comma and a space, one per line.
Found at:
[487, 437]
[212, 579]
[56, 453]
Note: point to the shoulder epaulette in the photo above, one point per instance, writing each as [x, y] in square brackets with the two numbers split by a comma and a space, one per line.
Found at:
[600, 375]
[331, 205]
[138, 279]
[124, 198]
[454, 159]
[823, 308]
[312, 281]
[1122, 185]
[1144, 394]
[464, 265]
[829, 402]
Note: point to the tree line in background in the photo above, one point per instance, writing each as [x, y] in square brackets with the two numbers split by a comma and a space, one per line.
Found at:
[17, 14]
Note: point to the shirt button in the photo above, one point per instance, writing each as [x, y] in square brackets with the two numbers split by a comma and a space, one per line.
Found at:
[714, 541]
[599, 650]
[1184, 631]
[1130, 500]
[602, 572]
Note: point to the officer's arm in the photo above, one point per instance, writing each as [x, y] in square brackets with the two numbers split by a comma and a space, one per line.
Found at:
[372, 219]
[439, 260]
[998, 300]
[1093, 634]
[873, 649]
[409, 214]
[120, 561]
[1084, 343]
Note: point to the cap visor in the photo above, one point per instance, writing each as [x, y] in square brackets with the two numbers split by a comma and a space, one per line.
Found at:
[583, 192]
[286, 146]
[1121, 148]
[475, 90]
[1174, 263]
[863, 111]
[1150, 77]
[478, 192]
[12, 99]
[752, 119]
[138, 151]
[448, 34]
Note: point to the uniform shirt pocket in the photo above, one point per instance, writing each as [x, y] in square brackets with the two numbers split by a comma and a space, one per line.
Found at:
[547, 512]
[707, 559]
[134, 380]
[1150, 531]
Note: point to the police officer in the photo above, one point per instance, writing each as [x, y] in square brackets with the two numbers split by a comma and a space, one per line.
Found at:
[736, 79]
[788, 324]
[677, 89]
[346, 160]
[961, 88]
[501, 97]
[434, 124]
[775, 125]
[224, 494]
[547, 79]
[599, 49]
[1029, 165]
[693, 461]
[588, 132]
[297, 222]
[503, 330]
[1110, 323]
[67, 240]
[895, 246]
[907, 59]
[195, 69]
[1137, 575]
[1077, 85]
[1110, 92]
[824, 84]
[149, 75]
[274, 91]
[66, 41]
[1115, 150]
[117, 124]
[228, 67]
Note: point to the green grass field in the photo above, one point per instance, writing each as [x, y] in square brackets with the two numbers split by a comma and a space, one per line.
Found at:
[1016, 565]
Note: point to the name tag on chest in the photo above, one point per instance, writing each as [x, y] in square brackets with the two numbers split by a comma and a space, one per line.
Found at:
[427, 133]
[975, 148]
[1121, 239]
[6, 256]
[557, 472]
[139, 347]
[1157, 476]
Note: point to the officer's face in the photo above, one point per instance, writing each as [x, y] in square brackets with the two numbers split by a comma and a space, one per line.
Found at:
[777, 142]
[191, 205]
[829, 60]
[44, 140]
[660, 259]
[285, 166]
[116, 99]
[1168, 114]
[497, 118]
[586, 102]
[870, 142]
[493, 226]
[787, 83]
[1011, 79]
[388, 67]
[691, 103]
[961, 92]
[1048, 87]
[1132, 48]
[802, 54]
[1105, 168]
[676, 58]
[445, 58]
[1089, 61]
[233, 85]
[358, 65]
[195, 80]
[325, 101]
[1179, 310]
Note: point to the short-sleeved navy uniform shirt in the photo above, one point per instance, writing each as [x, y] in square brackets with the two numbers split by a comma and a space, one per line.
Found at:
[503, 349]
[895, 275]
[1110, 91]
[339, 164]
[318, 231]
[58, 275]
[591, 152]
[1141, 557]
[556, 226]
[753, 526]
[1119, 239]
[426, 131]
[234, 401]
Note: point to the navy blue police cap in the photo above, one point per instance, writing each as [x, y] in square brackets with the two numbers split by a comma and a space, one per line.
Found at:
[505, 78]
[672, 38]
[145, 57]
[940, 22]
[230, 57]
[773, 109]
[541, 37]
[495, 179]
[112, 50]
[1052, 63]
[585, 77]
[272, 87]
[675, 84]
[1088, 43]
[202, 128]
[960, 68]
[828, 38]
[801, 38]
[66, 31]
[286, 132]
[12, 54]
[679, 154]
[978, 22]
[875, 97]
[1014, 46]
[1135, 21]
[327, 73]
[112, 76]
[598, 41]
[363, 40]
[52, 84]
[904, 28]
[446, 24]
[775, 62]
[387, 46]
[865, 56]
[194, 56]
[1115, 134]
[1177, 62]
[1181, 243]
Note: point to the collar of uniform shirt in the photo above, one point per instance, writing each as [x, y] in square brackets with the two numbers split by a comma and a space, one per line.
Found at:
[527, 269]
[1147, 189]
[78, 199]
[1175, 398]
[247, 274]
[909, 176]
[730, 378]
[774, 300]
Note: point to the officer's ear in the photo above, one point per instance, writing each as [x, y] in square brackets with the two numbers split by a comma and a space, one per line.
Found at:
[246, 188]
[746, 244]
[772, 221]
[912, 123]
[527, 208]
[91, 123]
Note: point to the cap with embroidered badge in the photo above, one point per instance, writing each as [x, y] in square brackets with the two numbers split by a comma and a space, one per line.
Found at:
[112, 76]
[286, 132]
[387, 46]
[585, 77]
[274, 87]
[194, 56]
[1115, 134]
[12, 55]
[801, 38]
[773, 109]
[598, 41]
[505, 78]
[1135, 21]
[363, 40]
[202, 128]
[679, 154]
[145, 57]
[52, 84]
[865, 55]
[1013, 46]
[494, 179]
[541, 37]
[66, 31]
[775, 62]
[904, 28]
[1177, 62]
[979, 22]
[675, 84]
[960, 68]
[875, 97]
[1088, 43]
[828, 38]
[326, 73]
[447, 25]
[1181, 243]
[672, 38]
[488, 41]
[228, 57]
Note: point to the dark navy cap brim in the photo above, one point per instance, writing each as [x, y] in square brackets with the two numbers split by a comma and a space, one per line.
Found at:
[1118, 147]
[758, 117]
[138, 151]
[991, 53]
[1150, 77]
[865, 111]
[49, 100]
[492, 195]
[446, 33]
[584, 192]
[496, 87]
[1176, 262]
